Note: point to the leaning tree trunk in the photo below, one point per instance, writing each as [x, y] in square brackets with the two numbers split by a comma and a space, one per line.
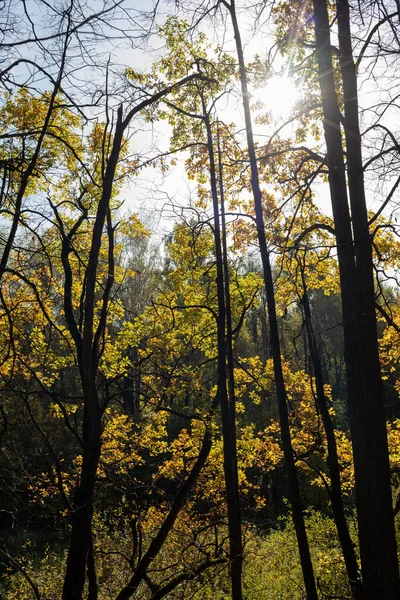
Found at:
[180, 499]
[365, 390]
[294, 491]
[335, 489]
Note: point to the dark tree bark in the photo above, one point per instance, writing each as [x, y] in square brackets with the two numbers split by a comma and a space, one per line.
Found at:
[335, 489]
[275, 349]
[365, 390]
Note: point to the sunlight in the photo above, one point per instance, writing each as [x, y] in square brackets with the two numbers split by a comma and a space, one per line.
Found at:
[279, 96]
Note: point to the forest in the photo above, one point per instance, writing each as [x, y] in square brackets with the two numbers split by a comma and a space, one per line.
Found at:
[199, 299]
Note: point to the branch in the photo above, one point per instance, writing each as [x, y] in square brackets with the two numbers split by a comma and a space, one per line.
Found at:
[187, 576]
[388, 199]
[159, 95]
[68, 32]
[17, 564]
[60, 479]
[179, 501]
[108, 286]
[371, 35]
[312, 227]
[389, 320]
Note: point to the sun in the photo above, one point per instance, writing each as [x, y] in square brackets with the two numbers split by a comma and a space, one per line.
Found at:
[279, 96]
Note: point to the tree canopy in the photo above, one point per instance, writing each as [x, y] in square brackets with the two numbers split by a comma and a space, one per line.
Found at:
[199, 300]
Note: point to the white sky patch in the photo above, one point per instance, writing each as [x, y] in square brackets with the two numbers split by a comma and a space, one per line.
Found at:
[279, 96]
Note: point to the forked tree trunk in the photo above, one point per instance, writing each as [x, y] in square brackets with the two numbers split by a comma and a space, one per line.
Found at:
[87, 350]
[365, 390]
[294, 491]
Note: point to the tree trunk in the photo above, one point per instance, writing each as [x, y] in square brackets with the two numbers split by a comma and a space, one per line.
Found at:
[294, 490]
[81, 534]
[365, 390]
[227, 410]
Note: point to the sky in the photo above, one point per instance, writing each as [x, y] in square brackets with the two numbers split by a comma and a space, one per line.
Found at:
[151, 191]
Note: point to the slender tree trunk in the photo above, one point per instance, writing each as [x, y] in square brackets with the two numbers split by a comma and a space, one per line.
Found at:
[294, 490]
[228, 310]
[32, 164]
[91, 572]
[365, 390]
[335, 490]
[87, 349]
[227, 414]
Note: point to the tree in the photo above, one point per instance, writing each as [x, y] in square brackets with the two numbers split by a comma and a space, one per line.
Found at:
[113, 366]
[87, 338]
[365, 389]
[198, 106]
[274, 334]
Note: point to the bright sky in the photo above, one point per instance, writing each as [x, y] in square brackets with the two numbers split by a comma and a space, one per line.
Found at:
[151, 191]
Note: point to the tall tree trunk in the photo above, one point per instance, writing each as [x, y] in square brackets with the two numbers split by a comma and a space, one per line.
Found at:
[227, 414]
[335, 490]
[375, 516]
[228, 311]
[365, 390]
[294, 490]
